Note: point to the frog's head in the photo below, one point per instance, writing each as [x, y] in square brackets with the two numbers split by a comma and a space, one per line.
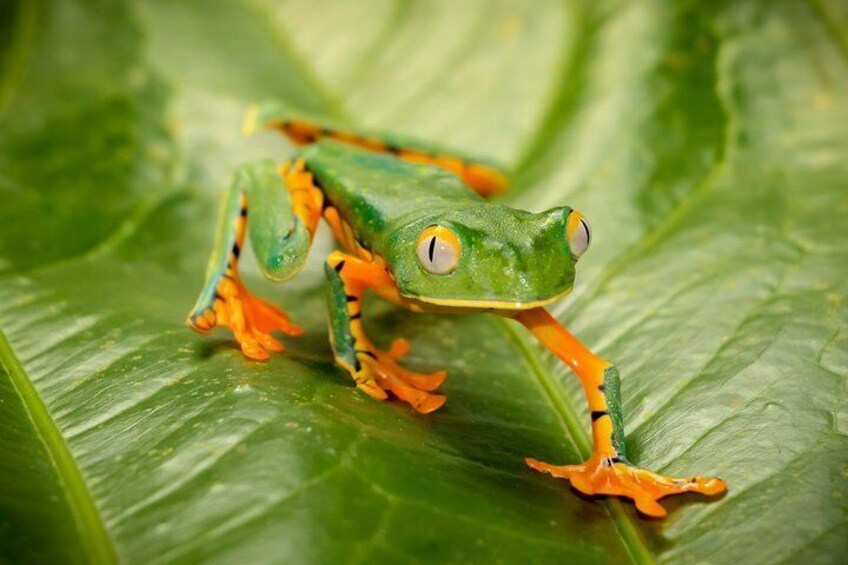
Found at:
[487, 256]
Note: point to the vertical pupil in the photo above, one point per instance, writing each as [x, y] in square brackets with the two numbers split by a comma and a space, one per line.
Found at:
[431, 252]
[588, 233]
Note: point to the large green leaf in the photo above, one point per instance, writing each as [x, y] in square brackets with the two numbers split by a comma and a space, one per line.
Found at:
[707, 143]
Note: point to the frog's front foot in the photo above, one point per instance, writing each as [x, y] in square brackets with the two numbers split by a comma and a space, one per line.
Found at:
[605, 475]
[250, 318]
[379, 374]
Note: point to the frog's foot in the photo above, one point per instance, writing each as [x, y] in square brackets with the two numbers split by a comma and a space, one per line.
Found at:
[379, 373]
[250, 318]
[608, 475]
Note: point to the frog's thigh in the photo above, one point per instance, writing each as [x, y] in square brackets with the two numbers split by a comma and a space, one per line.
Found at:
[481, 177]
[376, 372]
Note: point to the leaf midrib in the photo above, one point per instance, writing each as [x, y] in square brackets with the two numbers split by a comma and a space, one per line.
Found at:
[93, 538]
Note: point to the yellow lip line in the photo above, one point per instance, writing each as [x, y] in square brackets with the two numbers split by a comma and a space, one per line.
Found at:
[487, 304]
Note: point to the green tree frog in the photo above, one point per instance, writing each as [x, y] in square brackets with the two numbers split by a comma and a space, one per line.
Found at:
[415, 225]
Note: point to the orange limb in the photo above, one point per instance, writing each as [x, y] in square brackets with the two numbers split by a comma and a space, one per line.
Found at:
[377, 372]
[607, 471]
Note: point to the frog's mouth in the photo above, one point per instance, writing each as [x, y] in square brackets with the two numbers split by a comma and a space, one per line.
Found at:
[473, 304]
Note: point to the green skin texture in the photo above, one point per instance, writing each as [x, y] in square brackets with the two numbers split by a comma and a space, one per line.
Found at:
[507, 255]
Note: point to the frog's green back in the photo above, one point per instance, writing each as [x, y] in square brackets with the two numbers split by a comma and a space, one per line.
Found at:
[509, 258]
[373, 191]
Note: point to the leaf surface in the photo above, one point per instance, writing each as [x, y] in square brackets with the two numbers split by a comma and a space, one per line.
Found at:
[706, 144]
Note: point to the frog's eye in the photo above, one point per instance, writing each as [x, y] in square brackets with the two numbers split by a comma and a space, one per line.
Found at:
[438, 250]
[579, 234]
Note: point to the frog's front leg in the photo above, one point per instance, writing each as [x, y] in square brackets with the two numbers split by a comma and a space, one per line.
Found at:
[376, 372]
[607, 471]
[280, 234]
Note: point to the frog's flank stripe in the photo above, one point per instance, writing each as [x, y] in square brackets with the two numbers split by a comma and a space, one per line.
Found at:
[598, 414]
[482, 178]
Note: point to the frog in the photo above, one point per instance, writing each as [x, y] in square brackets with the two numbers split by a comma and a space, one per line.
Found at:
[422, 227]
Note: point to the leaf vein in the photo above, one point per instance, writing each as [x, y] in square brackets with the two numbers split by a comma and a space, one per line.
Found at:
[92, 530]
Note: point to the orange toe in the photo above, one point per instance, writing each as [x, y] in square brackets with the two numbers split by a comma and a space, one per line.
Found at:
[410, 387]
[250, 318]
[605, 475]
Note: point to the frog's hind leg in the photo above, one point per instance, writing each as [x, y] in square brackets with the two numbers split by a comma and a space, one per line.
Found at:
[483, 178]
[607, 471]
[279, 239]
[376, 372]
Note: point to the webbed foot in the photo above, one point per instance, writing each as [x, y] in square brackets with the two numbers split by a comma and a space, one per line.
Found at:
[605, 475]
[379, 374]
[250, 318]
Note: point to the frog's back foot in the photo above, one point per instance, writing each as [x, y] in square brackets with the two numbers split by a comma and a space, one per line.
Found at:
[483, 177]
[608, 475]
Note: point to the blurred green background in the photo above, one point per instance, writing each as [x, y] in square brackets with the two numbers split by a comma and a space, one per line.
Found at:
[707, 142]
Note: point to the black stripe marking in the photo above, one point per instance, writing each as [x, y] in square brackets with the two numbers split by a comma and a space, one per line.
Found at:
[588, 233]
[351, 298]
[236, 250]
[356, 316]
[357, 366]
[610, 461]
[243, 212]
[370, 354]
[339, 266]
[598, 414]
[602, 388]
